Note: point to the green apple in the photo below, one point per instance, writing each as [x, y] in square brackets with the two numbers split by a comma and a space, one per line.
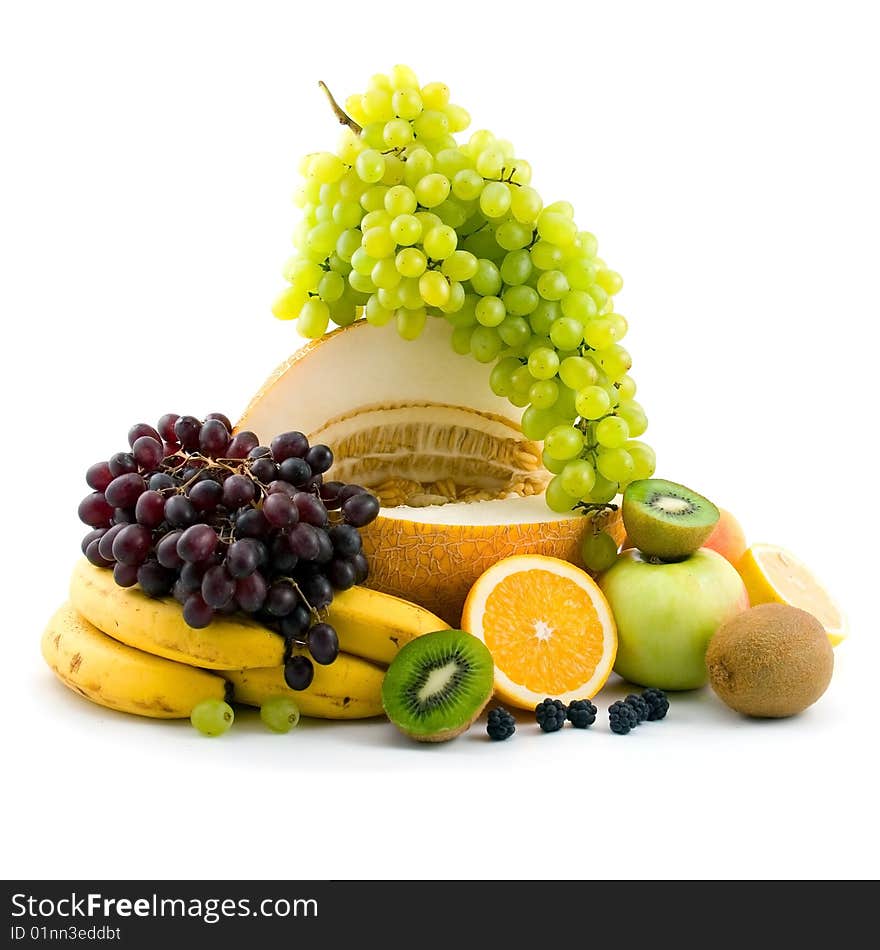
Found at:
[667, 612]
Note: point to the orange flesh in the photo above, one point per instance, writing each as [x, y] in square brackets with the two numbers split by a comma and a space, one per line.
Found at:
[543, 631]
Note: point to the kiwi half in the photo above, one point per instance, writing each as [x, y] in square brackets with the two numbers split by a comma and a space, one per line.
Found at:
[438, 684]
[666, 520]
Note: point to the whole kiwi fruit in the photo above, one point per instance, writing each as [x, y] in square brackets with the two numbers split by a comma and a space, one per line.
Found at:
[770, 661]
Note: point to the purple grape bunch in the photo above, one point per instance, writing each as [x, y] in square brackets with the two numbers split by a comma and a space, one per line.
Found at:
[226, 525]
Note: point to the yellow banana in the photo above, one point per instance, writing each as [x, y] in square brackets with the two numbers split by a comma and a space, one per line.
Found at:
[369, 624]
[120, 677]
[350, 688]
[157, 626]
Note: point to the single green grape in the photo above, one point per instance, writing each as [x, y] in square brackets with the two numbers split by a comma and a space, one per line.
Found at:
[599, 333]
[487, 279]
[410, 323]
[592, 402]
[626, 388]
[370, 165]
[378, 242]
[212, 717]
[347, 214]
[459, 118]
[362, 262]
[461, 340]
[564, 442]
[490, 311]
[397, 133]
[431, 124]
[375, 219]
[289, 303]
[544, 316]
[361, 282]
[456, 298]
[499, 378]
[411, 262]
[543, 393]
[578, 372]
[615, 464]
[614, 360]
[579, 305]
[557, 498]
[494, 199]
[612, 432]
[543, 363]
[490, 162]
[578, 477]
[280, 714]
[520, 300]
[459, 265]
[419, 163]
[610, 281]
[449, 162]
[514, 331]
[580, 273]
[485, 344]
[618, 324]
[516, 267]
[467, 184]
[553, 285]
[643, 458]
[565, 208]
[603, 491]
[512, 236]
[554, 466]
[434, 288]
[347, 243]
[566, 333]
[634, 415]
[521, 380]
[598, 551]
[432, 190]
[440, 242]
[410, 293]
[536, 423]
[400, 200]
[331, 287]
[525, 205]
[314, 317]
[407, 103]
[385, 274]
[389, 298]
[556, 228]
[375, 313]
[406, 229]
[546, 255]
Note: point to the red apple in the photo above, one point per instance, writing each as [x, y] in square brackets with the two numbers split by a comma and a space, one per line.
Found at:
[667, 612]
[727, 538]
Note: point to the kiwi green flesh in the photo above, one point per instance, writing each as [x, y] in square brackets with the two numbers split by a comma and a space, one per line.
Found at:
[438, 684]
[667, 520]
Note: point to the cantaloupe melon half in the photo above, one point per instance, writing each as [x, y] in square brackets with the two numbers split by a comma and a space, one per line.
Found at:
[461, 487]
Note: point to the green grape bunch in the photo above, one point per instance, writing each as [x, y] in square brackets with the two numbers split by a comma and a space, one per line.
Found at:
[403, 223]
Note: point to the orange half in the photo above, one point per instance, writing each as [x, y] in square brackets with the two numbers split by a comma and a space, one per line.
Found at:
[548, 627]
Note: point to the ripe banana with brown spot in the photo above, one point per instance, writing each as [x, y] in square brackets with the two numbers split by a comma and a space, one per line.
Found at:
[349, 688]
[120, 677]
[369, 624]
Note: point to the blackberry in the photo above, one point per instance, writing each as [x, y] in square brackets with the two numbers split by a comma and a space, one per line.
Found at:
[622, 718]
[501, 724]
[550, 714]
[639, 706]
[658, 704]
[581, 713]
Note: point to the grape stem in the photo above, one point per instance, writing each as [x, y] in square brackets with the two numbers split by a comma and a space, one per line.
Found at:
[342, 116]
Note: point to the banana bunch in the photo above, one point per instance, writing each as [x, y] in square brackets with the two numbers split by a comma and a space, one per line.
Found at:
[122, 649]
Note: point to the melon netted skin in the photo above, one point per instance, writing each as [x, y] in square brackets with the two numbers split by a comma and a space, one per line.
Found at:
[436, 565]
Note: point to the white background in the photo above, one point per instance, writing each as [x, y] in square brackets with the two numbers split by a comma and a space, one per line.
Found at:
[727, 158]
